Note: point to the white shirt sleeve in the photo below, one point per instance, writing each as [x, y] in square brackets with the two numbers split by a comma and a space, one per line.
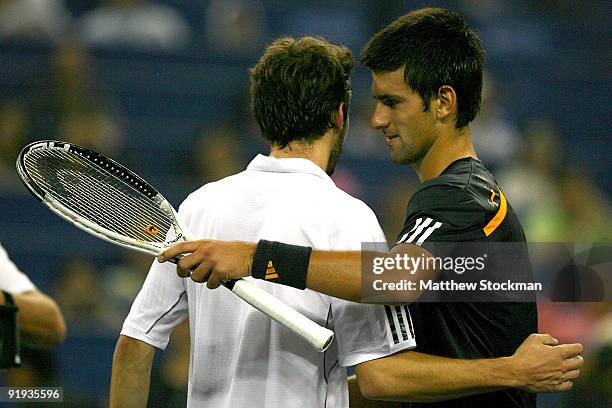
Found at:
[366, 332]
[12, 280]
[160, 305]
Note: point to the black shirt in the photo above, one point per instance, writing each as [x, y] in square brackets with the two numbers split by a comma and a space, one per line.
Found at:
[465, 204]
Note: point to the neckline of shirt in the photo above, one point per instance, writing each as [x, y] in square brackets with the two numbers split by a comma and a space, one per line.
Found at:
[287, 165]
[469, 160]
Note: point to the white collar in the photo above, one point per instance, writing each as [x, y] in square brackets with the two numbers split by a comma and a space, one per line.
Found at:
[287, 165]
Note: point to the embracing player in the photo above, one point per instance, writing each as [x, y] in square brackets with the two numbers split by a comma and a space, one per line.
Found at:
[427, 80]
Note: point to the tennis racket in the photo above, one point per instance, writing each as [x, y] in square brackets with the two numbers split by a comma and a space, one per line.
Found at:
[105, 199]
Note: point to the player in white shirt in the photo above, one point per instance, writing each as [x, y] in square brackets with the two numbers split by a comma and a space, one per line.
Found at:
[40, 321]
[244, 359]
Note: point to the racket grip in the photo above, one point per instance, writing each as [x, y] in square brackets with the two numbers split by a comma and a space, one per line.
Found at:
[319, 337]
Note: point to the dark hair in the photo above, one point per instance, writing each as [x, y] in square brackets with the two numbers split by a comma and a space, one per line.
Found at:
[436, 47]
[297, 86]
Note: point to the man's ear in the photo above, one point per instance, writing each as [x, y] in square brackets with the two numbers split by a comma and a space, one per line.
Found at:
[339, 116]
[446, 103]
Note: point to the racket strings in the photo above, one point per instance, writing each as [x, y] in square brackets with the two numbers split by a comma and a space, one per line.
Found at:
[101, 199]
[98, 195]
[81, 187]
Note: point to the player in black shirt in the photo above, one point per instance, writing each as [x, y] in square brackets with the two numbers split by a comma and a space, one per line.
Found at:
[426, 80]
[465, 204]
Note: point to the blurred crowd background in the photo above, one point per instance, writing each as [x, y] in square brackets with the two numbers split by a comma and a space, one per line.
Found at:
[162, 86]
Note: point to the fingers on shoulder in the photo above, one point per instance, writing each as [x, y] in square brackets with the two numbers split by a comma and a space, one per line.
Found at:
[544, 338]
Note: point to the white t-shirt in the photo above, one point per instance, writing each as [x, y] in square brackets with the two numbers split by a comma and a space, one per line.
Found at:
[240, 357]
[12, 280]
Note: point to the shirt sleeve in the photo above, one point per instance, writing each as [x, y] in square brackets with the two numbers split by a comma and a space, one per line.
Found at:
[12, 280]
[160, 305]
[367, 332]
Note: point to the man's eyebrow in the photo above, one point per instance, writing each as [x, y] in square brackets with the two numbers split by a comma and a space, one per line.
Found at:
[387, 97]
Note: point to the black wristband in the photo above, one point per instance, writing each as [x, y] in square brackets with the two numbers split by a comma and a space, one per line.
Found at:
[8, 299]
[281, 263]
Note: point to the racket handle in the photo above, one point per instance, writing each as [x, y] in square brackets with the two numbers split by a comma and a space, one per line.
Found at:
[319, 337]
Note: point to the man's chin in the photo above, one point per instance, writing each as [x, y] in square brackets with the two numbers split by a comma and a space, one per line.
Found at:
[406, 158]
[401, 161]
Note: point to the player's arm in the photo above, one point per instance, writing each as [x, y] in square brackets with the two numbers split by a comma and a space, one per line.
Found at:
[131, 374]
[538, 365]
[335, 273]
[339, 273]
[40, 320]
[357, 400]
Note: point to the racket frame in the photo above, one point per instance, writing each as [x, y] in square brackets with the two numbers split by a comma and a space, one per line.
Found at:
[116, 169]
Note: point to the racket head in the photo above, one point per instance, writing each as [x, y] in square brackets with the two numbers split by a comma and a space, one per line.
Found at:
[99, 195]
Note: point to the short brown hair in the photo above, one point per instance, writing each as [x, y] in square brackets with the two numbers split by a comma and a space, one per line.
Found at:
[297, 86]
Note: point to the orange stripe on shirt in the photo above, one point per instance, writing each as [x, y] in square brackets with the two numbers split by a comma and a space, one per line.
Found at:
[499, 217]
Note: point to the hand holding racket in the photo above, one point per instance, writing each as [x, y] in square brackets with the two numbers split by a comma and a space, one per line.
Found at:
[105, 199]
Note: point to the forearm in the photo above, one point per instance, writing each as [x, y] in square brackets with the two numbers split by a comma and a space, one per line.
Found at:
[357, 400]
[341, 273]
[131, 373]
[40, 320]
[335, 273]
[420, 377]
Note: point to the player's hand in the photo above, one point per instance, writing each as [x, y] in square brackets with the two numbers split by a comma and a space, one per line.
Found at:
[213, 262]
[541, 364]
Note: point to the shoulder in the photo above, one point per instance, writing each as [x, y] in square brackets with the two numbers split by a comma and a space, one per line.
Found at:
[210, 192]
[353, 208]
[449, 203]
[353, 223]
[463, 204]
[468, 190]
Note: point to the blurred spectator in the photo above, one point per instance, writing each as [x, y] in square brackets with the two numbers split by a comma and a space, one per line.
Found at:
[34, 20]
[579, 214]
[14, 128]
[570, 322]
[530, 181]
[71, 106]
[97, 130]
[81, 297]
[122, 281]
[554, 205]
[235, 27]
[215, 155]
[496, 139]
[585, 213]
[134, 24]
[342, 21]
